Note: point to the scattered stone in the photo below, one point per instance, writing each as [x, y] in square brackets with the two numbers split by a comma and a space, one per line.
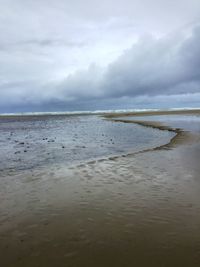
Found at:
[51, 141]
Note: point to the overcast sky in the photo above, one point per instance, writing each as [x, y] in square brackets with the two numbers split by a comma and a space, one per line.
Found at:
[108, 54]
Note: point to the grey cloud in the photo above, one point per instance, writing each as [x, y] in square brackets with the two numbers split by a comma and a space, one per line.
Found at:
[46, 47]
[41, 43]
[153, 67]
[165, 66]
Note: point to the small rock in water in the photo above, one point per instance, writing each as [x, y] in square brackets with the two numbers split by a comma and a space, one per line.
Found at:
[51, 141]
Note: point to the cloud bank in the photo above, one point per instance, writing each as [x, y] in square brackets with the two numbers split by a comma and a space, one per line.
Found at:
[68, 67]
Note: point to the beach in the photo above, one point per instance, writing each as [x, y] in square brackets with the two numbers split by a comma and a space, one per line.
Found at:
[115, 190]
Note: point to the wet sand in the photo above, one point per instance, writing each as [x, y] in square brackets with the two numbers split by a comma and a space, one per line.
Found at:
[135, 209]
[152, 113]
[181, 136]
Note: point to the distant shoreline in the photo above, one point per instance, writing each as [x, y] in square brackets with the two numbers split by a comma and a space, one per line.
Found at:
[108, 113]
[155, 112]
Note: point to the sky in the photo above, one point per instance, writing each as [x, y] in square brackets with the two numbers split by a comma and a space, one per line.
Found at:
[76, 55]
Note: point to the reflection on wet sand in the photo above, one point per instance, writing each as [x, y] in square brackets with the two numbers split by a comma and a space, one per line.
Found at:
[138, 210]
[181, 136]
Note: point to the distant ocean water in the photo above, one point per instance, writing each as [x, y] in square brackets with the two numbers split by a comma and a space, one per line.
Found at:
[88, 112]
[74, 112]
